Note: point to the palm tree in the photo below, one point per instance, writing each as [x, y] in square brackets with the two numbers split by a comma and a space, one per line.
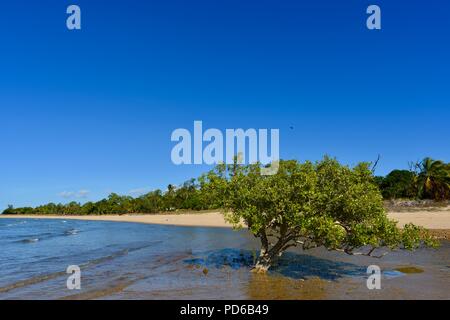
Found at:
[169, 197]
[171, 188]
[434, 179]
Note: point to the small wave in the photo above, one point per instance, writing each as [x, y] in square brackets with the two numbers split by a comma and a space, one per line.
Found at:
[120, 253]
[88, 264]
[16, 224]
[393, 274]
[31, 281]
[31, 240]
[71, 232]
[98, 293]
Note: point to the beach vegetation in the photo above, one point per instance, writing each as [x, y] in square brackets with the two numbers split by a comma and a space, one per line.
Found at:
[433, 179]
[398, 184]
[321, 204]
[428, 179]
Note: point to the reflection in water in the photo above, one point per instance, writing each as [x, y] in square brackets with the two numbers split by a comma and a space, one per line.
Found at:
[268, 287]
[301, 266]
[233, 258]
[409, 269]
[292, 265]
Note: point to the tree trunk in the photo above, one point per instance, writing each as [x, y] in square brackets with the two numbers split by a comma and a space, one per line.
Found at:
[263, 263]
[268, 256]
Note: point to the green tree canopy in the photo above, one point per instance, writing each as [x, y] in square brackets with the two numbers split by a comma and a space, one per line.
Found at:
[434, 179]
[399, 184]
[310, 205]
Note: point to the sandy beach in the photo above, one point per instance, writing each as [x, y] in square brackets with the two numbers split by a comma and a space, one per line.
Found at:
[433, 220]
[428, 219]
[197, 219]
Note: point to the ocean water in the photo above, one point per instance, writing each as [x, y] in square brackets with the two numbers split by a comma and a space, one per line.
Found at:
[138, 261]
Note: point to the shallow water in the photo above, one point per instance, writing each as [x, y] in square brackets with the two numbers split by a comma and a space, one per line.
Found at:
[138, 261]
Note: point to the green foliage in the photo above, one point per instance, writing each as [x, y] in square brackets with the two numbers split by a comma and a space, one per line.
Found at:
[310, 204]
[429, 180]
[9, 210]
[434, 179]
[399, 184]
[188, 196]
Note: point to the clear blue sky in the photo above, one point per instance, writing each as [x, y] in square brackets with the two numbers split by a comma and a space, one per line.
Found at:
[94, 109]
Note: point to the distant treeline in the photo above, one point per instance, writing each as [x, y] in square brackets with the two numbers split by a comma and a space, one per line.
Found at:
[428, 179]
[189, 196]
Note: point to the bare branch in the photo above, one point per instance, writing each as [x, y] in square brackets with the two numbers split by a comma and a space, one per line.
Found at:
[374, 167]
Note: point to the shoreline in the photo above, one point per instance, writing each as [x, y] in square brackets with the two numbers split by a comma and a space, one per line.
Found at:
[437, 222]
[197, 219]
